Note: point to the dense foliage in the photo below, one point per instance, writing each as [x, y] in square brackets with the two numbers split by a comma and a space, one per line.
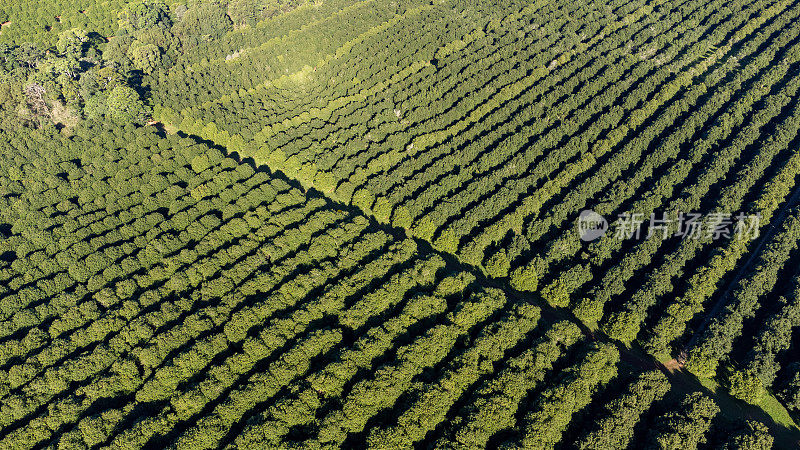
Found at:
[217, 304]
[352, 223]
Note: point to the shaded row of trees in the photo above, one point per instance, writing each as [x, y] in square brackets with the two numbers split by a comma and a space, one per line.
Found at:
[717, 339]
[615, 429]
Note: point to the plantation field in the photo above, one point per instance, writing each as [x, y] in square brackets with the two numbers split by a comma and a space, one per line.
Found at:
[246, 310]
[356, 224]
[487, 143]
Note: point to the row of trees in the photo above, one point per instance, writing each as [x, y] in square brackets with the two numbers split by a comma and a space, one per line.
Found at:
[217, 312]
[544, 426]
[262, 339]
[105, 327]
[365, 197]
[107, 299]
[565, 245]
[506, 98]
[616, 428]
[716, 341]
[271, 426]
[497, 400]
[705, 281]
[579, 274]
[389, 382]
[158, 293]
[685, 427]
[773, 340]
[118, 314]
[379, 208]
[479, 235]
[283, 98]
[180, 89]
[625, 324]
[434, 402]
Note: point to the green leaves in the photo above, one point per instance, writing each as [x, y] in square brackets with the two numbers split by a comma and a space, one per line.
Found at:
[546, 423]
[72, 42]
[145, 57]
[200, 163]
[124, 106]
[746, 386]
[144, 14]
[717, 340]
[752, 436]
[616, 428]
[790, 389]
[686, 426]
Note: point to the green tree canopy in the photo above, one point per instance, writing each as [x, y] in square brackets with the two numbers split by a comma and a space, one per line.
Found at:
[125, 106]
[144, 14]
[72, 41]
[145, 57]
